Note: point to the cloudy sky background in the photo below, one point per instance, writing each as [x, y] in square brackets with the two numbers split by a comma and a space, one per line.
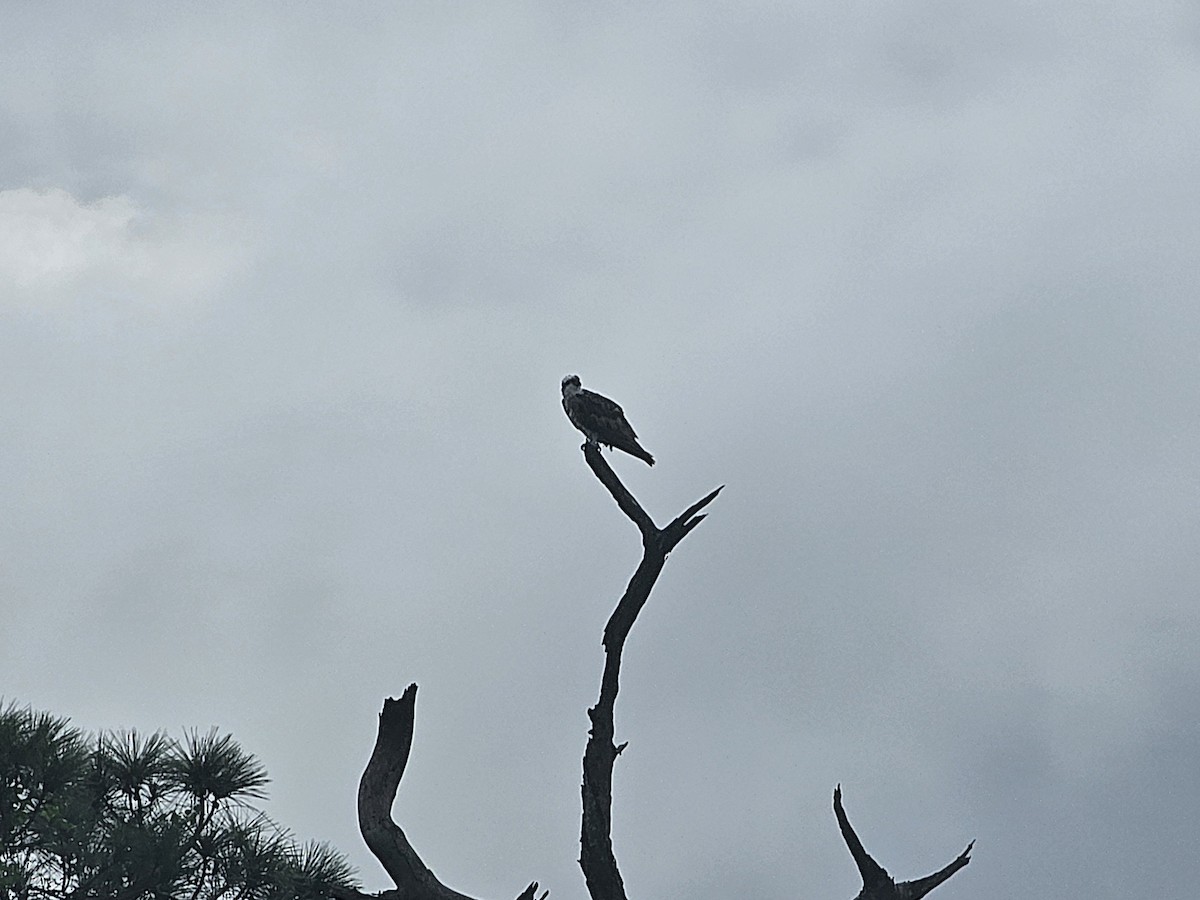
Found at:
[286, 293]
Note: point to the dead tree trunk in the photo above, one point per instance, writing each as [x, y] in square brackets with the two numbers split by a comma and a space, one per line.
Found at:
[376, 793]
[596, 855]
[597, 860]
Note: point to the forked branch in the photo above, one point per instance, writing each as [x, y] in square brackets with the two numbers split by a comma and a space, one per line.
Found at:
[877, 883]
[596, 858]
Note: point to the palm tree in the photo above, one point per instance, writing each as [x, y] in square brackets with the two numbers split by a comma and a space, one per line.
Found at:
[127, 816]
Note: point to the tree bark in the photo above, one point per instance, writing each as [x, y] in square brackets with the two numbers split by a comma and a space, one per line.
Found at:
[596, 856]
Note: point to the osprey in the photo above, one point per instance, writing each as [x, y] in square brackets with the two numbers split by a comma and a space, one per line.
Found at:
[601, 420]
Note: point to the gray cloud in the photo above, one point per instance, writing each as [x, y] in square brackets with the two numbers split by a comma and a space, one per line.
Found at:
[916, 283]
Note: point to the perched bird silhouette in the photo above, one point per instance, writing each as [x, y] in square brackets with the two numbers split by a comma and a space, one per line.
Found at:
[601, 420]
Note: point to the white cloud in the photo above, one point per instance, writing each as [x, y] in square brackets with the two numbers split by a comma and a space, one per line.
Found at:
[56, 249]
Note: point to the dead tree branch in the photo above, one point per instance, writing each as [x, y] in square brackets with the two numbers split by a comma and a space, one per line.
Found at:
[596, 856]
[376, 794]
[381, 778]
[877, 883]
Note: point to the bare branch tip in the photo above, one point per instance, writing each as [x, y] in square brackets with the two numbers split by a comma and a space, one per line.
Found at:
[531, 892]
[698, 505]
[405, 704]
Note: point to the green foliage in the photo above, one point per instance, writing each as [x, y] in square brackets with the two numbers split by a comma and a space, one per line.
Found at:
[127, 816]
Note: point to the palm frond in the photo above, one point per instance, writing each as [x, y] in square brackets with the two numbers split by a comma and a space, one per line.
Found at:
[44, 750]
[137, 772]
[254, 853]
[137, 762]
[318, 867]
[212, 765]
[42, 761]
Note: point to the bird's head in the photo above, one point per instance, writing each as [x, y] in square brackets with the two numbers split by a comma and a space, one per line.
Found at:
[570, 385]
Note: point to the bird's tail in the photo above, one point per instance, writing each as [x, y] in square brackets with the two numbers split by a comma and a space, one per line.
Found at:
[638, 451]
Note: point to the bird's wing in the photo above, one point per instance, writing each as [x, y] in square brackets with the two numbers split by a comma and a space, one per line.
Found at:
[606, 413]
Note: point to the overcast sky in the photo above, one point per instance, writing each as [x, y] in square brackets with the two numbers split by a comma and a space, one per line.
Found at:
[286, 293]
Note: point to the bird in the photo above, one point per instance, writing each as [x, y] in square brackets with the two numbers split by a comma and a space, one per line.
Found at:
[601, 420]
